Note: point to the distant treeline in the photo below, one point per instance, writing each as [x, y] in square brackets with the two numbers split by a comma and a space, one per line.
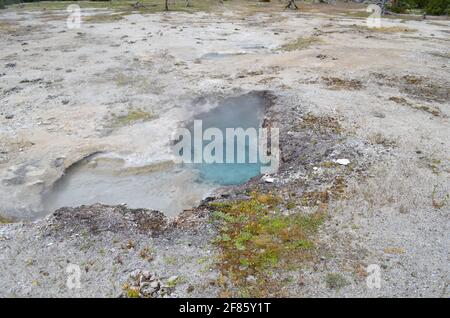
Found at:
[4, 3]
[7, 2]
[432, 7]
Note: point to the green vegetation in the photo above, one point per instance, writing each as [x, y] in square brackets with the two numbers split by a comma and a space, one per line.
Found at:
[433, 7]
[130, 291]
[300, 44]
[170, 260]
[2, 4]
[290, 205]
[4, 220]
[401, 6]
[132, 117]
[335, 281]
[171, 283]
[255, 239]
[438, 7]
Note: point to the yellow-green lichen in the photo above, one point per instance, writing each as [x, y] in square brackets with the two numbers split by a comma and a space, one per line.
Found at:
[254, 239]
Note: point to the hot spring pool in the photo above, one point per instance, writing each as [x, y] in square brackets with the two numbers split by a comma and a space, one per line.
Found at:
[167, 187]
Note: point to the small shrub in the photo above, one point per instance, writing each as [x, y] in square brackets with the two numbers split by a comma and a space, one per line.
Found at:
[432, 7]
[130, 291]
[438, 7]
[335, 281]
[290, 205]
[400, 6]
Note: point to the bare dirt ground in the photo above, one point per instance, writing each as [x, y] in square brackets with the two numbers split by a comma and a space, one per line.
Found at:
[378, 97]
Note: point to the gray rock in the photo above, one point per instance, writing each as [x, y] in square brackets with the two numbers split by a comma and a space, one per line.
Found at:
[378, 114]
[251, 279]
[148, 291]
[134, 274]
[146, 274]
[172, 279]
[155, 284]
[58, 162]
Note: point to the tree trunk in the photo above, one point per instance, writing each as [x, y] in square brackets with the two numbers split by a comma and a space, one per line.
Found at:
[167, 5]
[292, 5]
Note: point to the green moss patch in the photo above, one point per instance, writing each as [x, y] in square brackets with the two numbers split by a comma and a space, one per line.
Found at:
[300, 44]
[132, 117]
[255, 239]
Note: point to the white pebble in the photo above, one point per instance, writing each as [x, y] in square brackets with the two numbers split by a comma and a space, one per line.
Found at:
[343, 162]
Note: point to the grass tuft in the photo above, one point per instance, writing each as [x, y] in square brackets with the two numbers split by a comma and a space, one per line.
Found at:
[300, 44]
[4, 220]
[433, 110]
[339, 83]
[130, 291]
[386, 29]
[321, 124]
[335, 281]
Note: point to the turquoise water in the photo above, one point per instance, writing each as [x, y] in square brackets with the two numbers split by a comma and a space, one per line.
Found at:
[244, 111]
[104, 178]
